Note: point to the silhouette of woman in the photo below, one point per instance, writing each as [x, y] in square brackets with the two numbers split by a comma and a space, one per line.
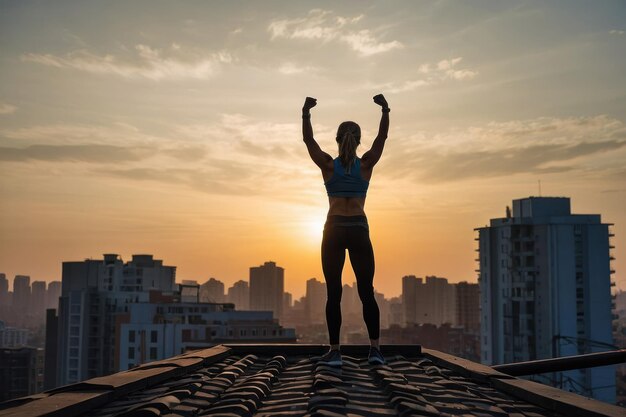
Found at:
[346, 179]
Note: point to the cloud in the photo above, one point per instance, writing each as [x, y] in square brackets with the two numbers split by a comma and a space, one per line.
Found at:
[155, 64]
[6, 108]
[103, 154]
[289, 68]
[119, 134]
[235, 155]
[229, 178]
[617, 32]
[431, 74]
[323, 25]
[536, 146]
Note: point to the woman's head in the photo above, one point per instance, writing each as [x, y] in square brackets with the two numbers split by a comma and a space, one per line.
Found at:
[348, 138]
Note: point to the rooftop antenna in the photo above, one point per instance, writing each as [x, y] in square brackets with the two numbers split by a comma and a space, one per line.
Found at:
[539, 182]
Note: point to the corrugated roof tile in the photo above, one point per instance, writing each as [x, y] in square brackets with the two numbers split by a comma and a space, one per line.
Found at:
[289, 380]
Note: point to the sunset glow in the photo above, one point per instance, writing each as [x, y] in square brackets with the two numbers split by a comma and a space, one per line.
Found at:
[173, 128]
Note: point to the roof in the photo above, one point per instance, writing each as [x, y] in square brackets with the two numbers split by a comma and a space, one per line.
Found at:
[287, 380]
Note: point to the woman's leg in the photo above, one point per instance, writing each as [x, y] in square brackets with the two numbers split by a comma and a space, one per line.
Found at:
[333, 258]
[362, 260]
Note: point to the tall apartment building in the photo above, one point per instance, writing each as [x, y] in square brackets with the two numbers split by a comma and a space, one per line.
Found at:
[21, 294]
[468, 306]
[239, 295]
[53, 294]
[4, 291]
[212, 291]
[315, 301]
[38, 299]
[94, 294]
[545, 290]
[267, 283]
[432, 300]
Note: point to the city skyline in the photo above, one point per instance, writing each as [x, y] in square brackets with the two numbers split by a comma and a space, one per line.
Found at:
[174, 130]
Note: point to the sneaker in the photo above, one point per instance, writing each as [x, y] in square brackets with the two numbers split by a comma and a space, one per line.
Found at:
[375, 357]
[332, 358]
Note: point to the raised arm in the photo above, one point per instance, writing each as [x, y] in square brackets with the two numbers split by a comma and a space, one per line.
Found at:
[371, 157]
[321, 158]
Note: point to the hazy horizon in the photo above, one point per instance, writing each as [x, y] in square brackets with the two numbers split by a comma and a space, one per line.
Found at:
[174, 129]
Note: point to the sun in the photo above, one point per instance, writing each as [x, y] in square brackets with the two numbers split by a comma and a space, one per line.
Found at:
[314, 228]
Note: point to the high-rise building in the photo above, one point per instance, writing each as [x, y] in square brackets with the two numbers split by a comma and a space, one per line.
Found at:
[38, 299]
[53, 294]
[545, 290]
[267, 287]
[4, 290]
[384, 309]
[468, 306]
[432, 301]
[212, 291]
[21, 294]
[351, 306]
[239, 295]
[315, 304]
[95, 296]
[51, 346]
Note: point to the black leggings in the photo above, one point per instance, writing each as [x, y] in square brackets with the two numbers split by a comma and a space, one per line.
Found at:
[352, 233]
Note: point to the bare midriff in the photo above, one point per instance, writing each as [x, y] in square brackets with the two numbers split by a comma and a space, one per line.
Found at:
[346, 206]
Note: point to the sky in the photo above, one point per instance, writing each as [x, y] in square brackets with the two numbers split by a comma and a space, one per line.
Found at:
[173, 128]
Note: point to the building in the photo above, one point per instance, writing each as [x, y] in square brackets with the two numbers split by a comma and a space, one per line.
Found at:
[384, 308]
[212, 291]
[267, 283]
[11, 337]
[315, 301]
[545, 290]
[351, 308]
[94, 293]
[21, 372]
[4, 291]
[155, 331]
[38, 299]
[51, 352]
[432, 300]
[53, 294]
[468, 306]
[21, 295]
[239, 295]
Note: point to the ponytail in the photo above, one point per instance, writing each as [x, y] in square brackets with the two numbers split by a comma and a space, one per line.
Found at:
[348, 138]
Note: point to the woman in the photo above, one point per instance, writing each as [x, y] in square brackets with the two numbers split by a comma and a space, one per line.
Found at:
[346, 179]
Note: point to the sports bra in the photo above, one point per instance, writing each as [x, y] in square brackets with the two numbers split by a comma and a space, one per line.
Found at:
[346, 184]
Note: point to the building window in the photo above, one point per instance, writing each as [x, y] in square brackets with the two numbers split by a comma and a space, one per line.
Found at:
[131, 353]
[153, 353]
[153, 336]
[131, 336]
